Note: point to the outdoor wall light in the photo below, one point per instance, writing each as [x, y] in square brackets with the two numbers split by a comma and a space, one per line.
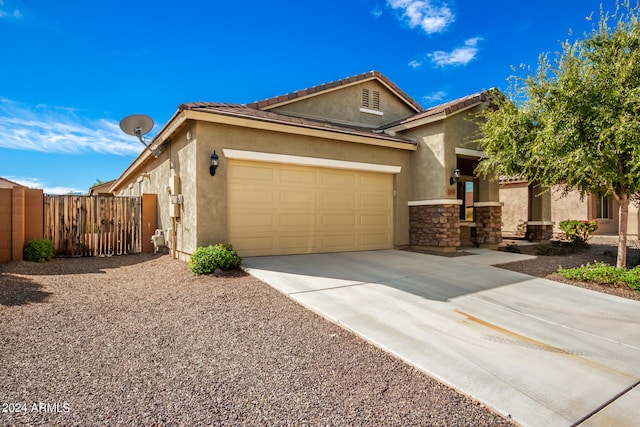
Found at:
[214, 163]
[455, 177]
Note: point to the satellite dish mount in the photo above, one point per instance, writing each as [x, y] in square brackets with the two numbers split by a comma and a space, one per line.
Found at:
[139, 125]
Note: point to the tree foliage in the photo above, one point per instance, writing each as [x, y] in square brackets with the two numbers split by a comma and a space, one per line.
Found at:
[575, 122]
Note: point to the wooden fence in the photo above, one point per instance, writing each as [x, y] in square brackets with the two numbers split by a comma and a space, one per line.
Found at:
[93, 225]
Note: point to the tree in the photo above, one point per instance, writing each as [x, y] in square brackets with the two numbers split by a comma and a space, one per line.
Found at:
[575, 122]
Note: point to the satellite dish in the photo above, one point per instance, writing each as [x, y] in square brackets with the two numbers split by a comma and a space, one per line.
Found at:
[139, 125]
[136, 125]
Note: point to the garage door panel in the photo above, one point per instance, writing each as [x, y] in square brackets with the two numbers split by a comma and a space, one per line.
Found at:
[304, 209]
[339, 220]
[303, 243]
[375, 201]
[339, 242]
[336, 179]
[253, 245]
[239, 194]
[252, 173]
[339, 200]
[374, 240]
[297, 219]
[378, 181]
[298, 197]
[375, 220]
[252, 219]
[298, 177]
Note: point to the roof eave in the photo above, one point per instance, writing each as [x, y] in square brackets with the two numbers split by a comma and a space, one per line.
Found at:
[411, 124]
[263, 123]
[279, 101]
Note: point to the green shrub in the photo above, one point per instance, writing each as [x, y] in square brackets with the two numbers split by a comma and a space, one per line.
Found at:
[38, 250]
[578, 231]
[604, 274]
[513, 248]
[205, 260]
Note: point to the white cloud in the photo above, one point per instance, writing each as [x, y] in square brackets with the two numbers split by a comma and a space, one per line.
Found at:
[435, 97]
[37, 183]
[458, 56]
[415, 63]
[15, 14]
[376, 13]
[60, 130]
[430, 15]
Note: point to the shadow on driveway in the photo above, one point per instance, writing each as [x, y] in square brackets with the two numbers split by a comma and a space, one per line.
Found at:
[431, 277]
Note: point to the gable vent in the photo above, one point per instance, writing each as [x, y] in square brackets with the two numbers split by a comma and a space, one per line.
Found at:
[376, 100]
[365, 98]
[371, 102]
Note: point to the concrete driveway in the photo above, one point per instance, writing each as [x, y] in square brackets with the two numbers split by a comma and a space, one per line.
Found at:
[543, 353]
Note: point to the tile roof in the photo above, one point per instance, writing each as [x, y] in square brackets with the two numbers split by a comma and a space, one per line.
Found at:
[503, 179]
[448, 108]
[246, 111]
[271, 102]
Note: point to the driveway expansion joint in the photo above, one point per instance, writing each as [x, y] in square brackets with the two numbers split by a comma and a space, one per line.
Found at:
[607, 403]
[351, 285]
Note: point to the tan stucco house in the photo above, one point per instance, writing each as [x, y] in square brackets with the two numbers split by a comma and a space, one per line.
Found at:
[518, 197]
[354, 164]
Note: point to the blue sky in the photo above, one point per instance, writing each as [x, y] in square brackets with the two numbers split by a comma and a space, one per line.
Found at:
[69, 71]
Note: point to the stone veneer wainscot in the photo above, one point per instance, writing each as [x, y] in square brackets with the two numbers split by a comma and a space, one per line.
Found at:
[435, 224]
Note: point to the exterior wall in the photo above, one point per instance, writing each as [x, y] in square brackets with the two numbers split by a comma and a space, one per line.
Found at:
[432, 167]
[569, 206]
[343, 106]
[429, 181]
[212, 190]
[156, 177]
[515, 196]
[633, 223]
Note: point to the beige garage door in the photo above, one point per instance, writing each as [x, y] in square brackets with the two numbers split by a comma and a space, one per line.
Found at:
[277, 209]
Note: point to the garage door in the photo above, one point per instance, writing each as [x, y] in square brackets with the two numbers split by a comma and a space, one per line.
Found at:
[277, 209]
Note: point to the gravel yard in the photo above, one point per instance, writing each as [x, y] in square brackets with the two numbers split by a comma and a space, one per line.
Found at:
[137, 340]
[603, 248]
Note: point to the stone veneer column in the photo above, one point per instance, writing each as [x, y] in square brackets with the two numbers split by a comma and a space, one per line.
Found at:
[539, 230]
[435, 224]
[488, 219]
[539, 224]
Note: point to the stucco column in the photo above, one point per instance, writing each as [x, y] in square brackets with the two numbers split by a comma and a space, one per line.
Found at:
[539, 224]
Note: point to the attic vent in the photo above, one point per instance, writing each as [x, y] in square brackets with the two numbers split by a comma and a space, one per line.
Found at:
[371, 103]
[365, 98]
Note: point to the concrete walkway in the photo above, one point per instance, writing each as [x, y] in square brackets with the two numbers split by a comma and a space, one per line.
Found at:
[543, 353]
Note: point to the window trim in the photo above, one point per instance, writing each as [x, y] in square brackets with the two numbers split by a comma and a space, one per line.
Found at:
[599, 204]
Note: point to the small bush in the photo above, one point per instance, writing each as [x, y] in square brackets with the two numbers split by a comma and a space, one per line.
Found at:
[205, 260]
[513, 248]
[578, 232]
[605, 274]
[39, 250]
[555, 250]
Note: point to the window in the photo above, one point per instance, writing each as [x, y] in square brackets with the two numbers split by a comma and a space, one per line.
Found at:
[465, 193]
[603, 207]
